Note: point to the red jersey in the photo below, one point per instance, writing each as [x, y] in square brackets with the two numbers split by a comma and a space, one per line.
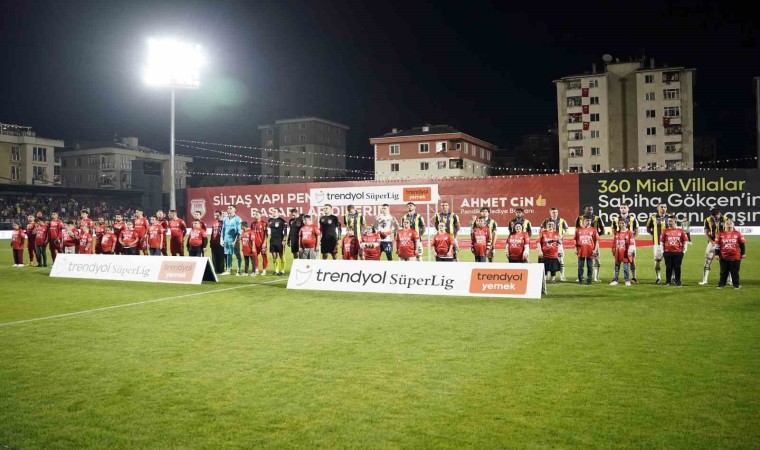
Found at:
[178, 228]
[71, 237]
[55, 229]
[197, 235]
[729, 241]
[549, 242]
[480, 238]
[85, 243]
[406, 243]
[30, 232]
[259, 232]
[85, 222]
[246, 241]
[99, 231]
[517, 243]
[141, 226]
[216, 233]
[129, 238]
[155, 236]
[107, 242]
[673, 240]
[17, 239]
[40, 234]
[621, 244]
[118, 227]
[309, 235]
[371, 246]
[585, 241]
[350, 247]
[442, 243]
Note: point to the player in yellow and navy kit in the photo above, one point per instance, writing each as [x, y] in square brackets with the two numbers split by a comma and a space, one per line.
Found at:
[418, 225]
[655, 225]
[451, 221]
[713, 226]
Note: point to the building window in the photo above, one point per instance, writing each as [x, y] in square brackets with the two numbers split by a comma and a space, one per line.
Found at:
[576, 152]
[576, 135]
[302, 138]
[596, 168]
[595, 117]
[302, 148]
[440, 147]
[395, 149]
[302, 173]
[15, 173]
[575, 118]
[466, 148]
[594, 100]
[651, 131]
[573, 84]
[671, 147]
[596, 151]
[648, 79]
[270, 132]
[672, 111]
[672, 164]
[394, 167]
[651, 166]
[39, 154]
[302, 126]
[482, 153]
[92, 176]
[93, 161]
[651, 113]
[671, 94]
[593, 83]
[667, 77]
[574, 101]
[425, 148]
[441, 164]
[286, 139]
[15, 153]
[424, 166]
[287, 173]
[651, 149]
[40, 173]
[287, 127]
[575, 168]
[649, 96]
[459, 146]
[594, 134]
[488, 156]
[456, 163]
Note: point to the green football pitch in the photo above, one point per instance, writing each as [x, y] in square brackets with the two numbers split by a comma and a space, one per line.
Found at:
[244, 363]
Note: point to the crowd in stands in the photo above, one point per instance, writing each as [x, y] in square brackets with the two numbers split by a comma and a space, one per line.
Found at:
[18, 207]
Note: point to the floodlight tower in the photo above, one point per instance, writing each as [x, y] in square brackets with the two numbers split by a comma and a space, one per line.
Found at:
[173, 64]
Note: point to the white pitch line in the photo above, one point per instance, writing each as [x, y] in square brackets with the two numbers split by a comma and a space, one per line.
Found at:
[105, 308]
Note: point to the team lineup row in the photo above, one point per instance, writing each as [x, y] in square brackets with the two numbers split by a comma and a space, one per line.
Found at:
[228, 235]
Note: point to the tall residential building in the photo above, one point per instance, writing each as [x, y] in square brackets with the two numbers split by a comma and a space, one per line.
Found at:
[26, 158]
[302, 150]
[430, 151]
[627, 116]
[121, 165]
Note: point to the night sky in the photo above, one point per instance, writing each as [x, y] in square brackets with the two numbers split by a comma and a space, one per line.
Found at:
[72, 69]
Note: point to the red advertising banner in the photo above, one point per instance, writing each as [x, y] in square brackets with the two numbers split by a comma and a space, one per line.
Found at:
[534, 194]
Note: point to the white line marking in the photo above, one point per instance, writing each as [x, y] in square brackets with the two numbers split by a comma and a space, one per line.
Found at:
[105, 308]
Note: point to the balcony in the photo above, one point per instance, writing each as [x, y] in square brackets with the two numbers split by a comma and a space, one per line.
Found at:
[673, 130]
[574, 102]
[672, 148]
[575, 84]
[670, 77]
[575, 118]
[108, 166]
[576, 152]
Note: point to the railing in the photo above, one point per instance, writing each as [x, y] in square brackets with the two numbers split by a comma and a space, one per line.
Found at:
[108, 165]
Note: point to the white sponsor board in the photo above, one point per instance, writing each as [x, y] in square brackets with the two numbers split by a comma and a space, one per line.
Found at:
[156, 269]
[424, 194]
[430, 278]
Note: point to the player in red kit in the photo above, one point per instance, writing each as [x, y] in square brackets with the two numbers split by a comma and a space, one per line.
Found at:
[673, 241]
[55, 232]
[108, 242]
[259, 231]
[549, 243]
[118, 226]
[370, 244]
[178, 229]
[86, 241]
[350, 245]
[98, 232]
[586, 248]
[480, 240]
[70, 239]
[308, 239]
[161, 217]
[518, 245]
[623, 250]
[199, 217]
[156, 237]
[443, 244]
[30, 238]
[129, 239]
[246, 244]
[196, 237]
[17, 245]
[730, 249]
[407, 241]
[141, 228]
[84, 219]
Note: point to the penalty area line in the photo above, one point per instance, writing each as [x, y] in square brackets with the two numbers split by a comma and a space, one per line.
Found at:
[156, 300]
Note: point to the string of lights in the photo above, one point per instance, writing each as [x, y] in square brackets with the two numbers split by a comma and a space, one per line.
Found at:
[258, 176]
[285, 149]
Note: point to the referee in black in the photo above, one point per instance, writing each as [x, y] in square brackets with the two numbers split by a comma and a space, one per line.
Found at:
[294, 227]
[277, 233]
[329, 228]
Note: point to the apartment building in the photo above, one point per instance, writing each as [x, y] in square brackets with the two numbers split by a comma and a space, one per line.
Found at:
[430, 151]
[26, 158]
[301, 150]
[629, 115]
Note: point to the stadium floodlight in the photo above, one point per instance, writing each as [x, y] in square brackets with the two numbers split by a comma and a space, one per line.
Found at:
[173, 64]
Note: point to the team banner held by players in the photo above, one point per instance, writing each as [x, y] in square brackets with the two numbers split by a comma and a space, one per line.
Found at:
[156, 269]
[690, 195]
[375, 195]
[429, 278]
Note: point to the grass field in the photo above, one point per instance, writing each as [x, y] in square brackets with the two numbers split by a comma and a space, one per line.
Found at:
[248, 364]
